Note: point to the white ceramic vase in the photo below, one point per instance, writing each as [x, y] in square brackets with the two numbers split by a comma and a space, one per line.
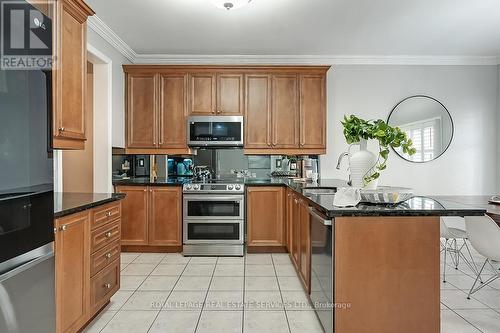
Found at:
[360, 163]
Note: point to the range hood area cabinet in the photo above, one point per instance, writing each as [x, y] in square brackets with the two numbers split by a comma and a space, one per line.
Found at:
[69, 77]
[216, 94]
[284, 107]
[156, 109]
[285, 113]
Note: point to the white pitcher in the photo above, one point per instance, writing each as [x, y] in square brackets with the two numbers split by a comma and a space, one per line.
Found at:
[360, 164]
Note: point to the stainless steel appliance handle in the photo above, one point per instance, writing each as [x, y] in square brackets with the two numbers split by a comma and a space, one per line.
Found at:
[211, 197]
[320, 217]
[23, 262]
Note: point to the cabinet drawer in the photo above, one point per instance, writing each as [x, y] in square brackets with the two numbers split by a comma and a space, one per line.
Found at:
[104, 285]
[104, 214]
[103, 257]
[104, 235]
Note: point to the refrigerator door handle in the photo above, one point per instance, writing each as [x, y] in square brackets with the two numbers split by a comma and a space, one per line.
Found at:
[23, 263]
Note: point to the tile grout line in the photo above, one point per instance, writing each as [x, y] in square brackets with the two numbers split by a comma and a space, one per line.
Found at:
[468, 322]
[281, 294]
[244, 292]
[206, 295]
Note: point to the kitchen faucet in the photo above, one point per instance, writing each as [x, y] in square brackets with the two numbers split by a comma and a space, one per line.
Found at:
[341, 158]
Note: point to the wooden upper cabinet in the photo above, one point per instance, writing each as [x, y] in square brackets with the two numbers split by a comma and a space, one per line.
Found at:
[265, 216]
[312, 111]
[135, 209]
[72, 253]
[285, 115]
[69, 75]
[165, 223]
[172, 111]
[141, 110]
[230, 94]
[202, 94]
[257, 111]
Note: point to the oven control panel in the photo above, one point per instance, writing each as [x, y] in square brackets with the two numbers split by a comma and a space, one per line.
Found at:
[213, 188]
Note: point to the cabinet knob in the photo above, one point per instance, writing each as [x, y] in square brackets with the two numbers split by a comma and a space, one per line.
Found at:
[108, 255]
[61, 129]
[108, 234]
[107, 285]
[64, 227]
[145, 190]
[108, 214]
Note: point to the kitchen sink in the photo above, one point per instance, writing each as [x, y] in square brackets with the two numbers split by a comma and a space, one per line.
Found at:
[319, 191]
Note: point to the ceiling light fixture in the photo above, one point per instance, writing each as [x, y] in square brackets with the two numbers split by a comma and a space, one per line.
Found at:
[230, 4]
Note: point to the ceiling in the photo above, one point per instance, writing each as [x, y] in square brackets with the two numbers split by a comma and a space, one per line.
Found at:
[307, 27]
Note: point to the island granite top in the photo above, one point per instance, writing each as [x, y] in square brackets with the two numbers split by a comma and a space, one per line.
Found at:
[66, 203]
[416, 206]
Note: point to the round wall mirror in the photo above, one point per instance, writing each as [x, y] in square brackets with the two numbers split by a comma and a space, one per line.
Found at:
[427, 123]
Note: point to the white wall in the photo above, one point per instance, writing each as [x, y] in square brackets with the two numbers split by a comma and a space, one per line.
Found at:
[498, 126]
[469, 93]
[118, 84]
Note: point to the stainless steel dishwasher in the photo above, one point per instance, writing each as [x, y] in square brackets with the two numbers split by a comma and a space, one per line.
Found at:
[322, 268]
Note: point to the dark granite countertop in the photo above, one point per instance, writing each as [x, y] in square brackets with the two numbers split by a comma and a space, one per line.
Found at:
[70, 203]
[416, 206]
[145, 181]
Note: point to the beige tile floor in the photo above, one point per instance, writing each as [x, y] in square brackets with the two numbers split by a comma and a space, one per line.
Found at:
[258, 293]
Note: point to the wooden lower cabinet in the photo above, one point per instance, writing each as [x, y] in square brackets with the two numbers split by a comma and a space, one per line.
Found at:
[87, 265]
[152, 217]
[265, 217]
[305, 245]
[165, 222]
[299, 237]
[72, 253]
[134, 215]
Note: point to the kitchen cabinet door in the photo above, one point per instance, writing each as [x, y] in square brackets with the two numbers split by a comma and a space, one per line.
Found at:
[141, 110]
[202, 99]
[165, 222]
[305, 245]
[172, 111]
[312, 112]
[285, 115]
[265, 207]
[295, 232]
[134, 215]
[70, 75]
[257, 111]
[72, 253]
[230, 94]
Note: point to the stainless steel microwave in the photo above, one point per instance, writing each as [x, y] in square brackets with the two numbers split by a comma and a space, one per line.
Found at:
[217, 131]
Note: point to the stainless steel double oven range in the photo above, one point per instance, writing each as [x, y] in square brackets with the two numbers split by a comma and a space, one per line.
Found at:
[213, 219]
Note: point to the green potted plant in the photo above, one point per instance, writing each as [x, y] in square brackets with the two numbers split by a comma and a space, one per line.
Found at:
[366, 167]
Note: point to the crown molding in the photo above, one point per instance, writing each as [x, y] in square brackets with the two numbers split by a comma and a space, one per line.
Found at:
[103, 30]
[316, 60]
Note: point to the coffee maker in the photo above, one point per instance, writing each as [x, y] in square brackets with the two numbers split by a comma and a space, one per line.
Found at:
[309, 168]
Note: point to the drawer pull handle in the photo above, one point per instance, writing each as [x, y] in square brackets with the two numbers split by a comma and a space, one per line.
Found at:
[107, 285]
[108, 255]
[108, 214]
[108, 234]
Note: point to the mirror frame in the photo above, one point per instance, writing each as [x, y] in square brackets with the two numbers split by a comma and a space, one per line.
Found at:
[449, 114]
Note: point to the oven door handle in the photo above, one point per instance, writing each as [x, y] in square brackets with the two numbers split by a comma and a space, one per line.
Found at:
[211, 197]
